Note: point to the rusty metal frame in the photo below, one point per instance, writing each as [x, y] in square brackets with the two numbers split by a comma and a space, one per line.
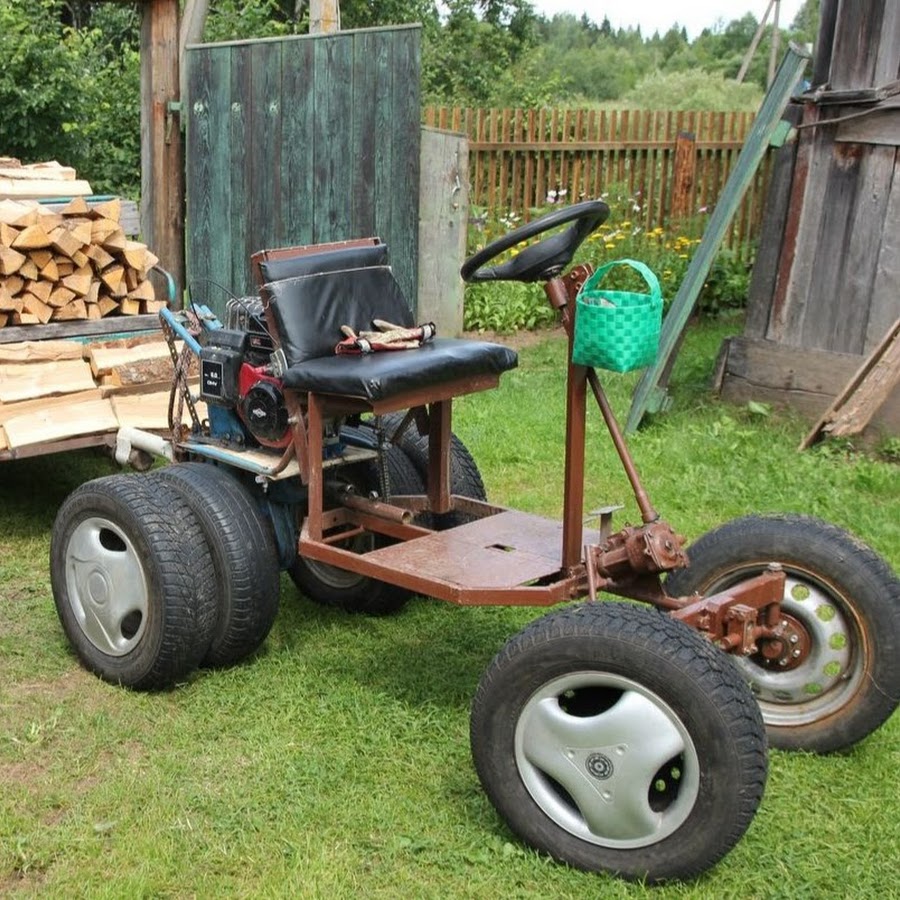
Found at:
[541, 562]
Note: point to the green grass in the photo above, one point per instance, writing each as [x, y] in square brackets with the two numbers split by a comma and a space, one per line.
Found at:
[336, 763]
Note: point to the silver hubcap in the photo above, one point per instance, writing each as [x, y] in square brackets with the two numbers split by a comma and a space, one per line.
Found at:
[106, 586]
[607, 760]
[829, 674]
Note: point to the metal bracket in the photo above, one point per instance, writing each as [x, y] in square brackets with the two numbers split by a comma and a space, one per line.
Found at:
[173, 108]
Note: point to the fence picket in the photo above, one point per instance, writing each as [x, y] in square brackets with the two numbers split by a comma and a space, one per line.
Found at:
[519, 159]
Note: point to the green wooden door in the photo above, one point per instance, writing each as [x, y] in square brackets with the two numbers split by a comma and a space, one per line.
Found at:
[297, 141]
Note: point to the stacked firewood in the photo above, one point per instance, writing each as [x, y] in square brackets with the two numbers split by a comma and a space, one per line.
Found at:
[71, 263]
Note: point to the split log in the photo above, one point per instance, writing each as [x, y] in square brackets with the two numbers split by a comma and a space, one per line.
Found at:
[71, 261]
[10, 260]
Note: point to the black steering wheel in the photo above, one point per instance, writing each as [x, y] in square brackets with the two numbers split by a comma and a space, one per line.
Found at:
[547, 258]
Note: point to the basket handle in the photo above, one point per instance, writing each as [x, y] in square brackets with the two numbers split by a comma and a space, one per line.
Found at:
[638, 266]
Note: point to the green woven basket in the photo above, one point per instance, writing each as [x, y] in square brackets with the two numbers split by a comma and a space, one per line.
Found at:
[617, 330]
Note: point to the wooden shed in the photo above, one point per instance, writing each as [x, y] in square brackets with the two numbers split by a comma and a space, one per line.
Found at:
[826, 283]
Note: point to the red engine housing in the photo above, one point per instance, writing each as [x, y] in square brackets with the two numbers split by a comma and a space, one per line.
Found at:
[261, 406]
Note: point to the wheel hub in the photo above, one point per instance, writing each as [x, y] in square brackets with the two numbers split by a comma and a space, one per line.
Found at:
[808, 667]
[788, 649]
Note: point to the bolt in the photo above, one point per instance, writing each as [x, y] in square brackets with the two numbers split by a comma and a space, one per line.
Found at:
[794, 638]
[774, 567]
[782, 662]
[796, 653]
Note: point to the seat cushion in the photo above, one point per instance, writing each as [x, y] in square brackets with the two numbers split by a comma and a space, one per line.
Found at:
[310, 310]
[380, 376]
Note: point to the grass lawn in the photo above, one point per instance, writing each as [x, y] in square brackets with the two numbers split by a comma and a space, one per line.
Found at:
[336, 763]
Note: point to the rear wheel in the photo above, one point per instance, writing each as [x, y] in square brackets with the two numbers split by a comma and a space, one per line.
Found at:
[132, 580]
[618, 741]
[834, 677]
[332, 586]
[243, 549]
[465, 478]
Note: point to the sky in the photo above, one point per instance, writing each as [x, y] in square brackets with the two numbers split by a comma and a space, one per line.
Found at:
[660, 15]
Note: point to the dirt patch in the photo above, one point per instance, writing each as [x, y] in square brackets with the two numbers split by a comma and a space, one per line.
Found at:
[516, 339]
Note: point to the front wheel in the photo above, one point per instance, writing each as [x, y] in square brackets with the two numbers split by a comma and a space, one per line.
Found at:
[836, 677]
[617, 740]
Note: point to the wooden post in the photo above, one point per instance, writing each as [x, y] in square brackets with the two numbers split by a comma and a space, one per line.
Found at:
[324, 16]
[685, 169]
[443, 219]
[193, 21]
[162, 159]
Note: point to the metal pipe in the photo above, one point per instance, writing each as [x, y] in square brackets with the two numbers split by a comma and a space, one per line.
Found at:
[130, 439]
[648, 513]
[376, 508]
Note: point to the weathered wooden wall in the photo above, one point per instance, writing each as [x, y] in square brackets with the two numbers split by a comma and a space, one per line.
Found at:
[827, 276]
[301, 140]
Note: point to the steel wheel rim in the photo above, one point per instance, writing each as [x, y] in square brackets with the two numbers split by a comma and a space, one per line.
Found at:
[621, 773]
[334, 577]
[834, 669]
[106, 586]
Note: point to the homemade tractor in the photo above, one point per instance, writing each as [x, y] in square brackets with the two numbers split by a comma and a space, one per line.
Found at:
[614, 736]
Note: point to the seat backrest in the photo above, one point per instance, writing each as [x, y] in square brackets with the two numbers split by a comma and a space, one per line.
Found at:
[308, 311]
[291, 262]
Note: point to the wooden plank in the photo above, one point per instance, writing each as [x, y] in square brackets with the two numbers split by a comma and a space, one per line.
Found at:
[802, 230]
[880, 126]
[25, 382]
[209, 181]
[267, 108]
[240, 175]
[883, 304]
[63, 421]
[443, 215]
[363, 105]
[383, 72]
[805, 380]
[650, 394]
[867, 390]
[26, 407]
[109, 326]
[848, 309]
[40, 351]
[406, 103]
[298, 75]
[148, 411]
[856, 34]
[827, 256]
[332, 117]
[774, 221]
[104, 360]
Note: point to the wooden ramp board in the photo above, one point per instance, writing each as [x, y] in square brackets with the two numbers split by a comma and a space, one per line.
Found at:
[53, 422]
[44, 379]
[37, 351]
[149, 411]
[864, 394]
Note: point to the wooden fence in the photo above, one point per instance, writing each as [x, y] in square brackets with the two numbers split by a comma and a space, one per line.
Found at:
[670, 165]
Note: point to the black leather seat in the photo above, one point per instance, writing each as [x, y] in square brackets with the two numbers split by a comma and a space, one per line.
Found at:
[309, 311]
